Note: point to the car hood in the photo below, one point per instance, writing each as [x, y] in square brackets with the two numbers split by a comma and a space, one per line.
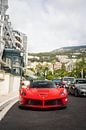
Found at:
[44, 93]
[81, 86]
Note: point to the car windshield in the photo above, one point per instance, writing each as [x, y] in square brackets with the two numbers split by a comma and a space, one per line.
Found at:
[69, 79]
[43, 84]
[81, 81]
[57, 80]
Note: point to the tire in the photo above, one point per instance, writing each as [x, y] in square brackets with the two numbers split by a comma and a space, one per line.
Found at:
[21, 107]
[62, 107]
[76, 93]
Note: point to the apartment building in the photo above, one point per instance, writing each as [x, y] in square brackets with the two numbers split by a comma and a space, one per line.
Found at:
[13, 44]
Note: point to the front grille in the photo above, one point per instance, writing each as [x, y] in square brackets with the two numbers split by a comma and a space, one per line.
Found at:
[33, 102]
[46, 102]
[83, 93]
[53, 102]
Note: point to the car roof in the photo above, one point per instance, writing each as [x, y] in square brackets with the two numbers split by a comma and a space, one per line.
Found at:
[42, 81]
[80, 79]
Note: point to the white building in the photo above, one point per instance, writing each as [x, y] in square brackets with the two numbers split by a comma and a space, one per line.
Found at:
[21, 43]
[3, 8]
[62, 58]
[12, 43]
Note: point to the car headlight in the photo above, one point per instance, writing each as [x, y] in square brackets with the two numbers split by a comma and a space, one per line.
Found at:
[23, 93]
[63, 93]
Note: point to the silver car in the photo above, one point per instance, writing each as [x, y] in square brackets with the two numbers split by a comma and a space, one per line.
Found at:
[78, 88]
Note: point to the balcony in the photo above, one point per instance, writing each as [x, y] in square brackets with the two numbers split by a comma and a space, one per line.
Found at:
[4, 3]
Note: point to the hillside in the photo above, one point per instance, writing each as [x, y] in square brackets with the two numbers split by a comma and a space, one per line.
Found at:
[70, 49]
[61, 51]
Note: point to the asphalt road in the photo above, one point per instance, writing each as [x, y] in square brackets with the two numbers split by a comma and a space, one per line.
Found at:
[71, 118]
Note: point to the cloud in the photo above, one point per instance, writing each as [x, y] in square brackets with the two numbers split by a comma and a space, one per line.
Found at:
[49, 24]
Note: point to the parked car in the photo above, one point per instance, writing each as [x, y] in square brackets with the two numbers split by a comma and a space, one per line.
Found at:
[78, 88]
[43, 94]
[67, 81]
[57, 82]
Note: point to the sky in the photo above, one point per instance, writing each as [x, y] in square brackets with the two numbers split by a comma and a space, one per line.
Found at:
[49, 24]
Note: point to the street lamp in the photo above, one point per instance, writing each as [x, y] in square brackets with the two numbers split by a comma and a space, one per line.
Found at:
[21, 66]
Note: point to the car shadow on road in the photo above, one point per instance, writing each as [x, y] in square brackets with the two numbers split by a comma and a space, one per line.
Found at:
[42, 109]
[80, 96]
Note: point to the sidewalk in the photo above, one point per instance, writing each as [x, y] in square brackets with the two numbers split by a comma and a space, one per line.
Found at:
[4, 98]
[6, 102]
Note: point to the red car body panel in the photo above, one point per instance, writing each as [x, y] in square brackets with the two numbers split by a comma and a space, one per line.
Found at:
[43, 97]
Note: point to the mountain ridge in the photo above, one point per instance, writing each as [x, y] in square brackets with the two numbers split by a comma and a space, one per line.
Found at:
[69, 48]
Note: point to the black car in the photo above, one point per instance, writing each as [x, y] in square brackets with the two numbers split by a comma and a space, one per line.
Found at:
[78, 88]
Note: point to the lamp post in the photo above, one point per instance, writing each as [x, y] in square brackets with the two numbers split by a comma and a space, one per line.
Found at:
[21, 66]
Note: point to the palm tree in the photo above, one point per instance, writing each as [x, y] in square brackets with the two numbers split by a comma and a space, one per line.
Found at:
[53, 63]
[81, 67]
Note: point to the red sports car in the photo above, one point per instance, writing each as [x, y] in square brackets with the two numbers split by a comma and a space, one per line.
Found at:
[43, 94]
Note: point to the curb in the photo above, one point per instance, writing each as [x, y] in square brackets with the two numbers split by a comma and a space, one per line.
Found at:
[6, 105]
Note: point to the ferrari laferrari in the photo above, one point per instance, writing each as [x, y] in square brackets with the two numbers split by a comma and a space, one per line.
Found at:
[43, 94]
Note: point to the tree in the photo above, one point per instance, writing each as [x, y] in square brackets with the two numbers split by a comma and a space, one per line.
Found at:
[53, 63]
[81, 68]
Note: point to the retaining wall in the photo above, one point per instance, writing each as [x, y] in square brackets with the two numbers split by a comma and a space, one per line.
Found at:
[8, 83]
